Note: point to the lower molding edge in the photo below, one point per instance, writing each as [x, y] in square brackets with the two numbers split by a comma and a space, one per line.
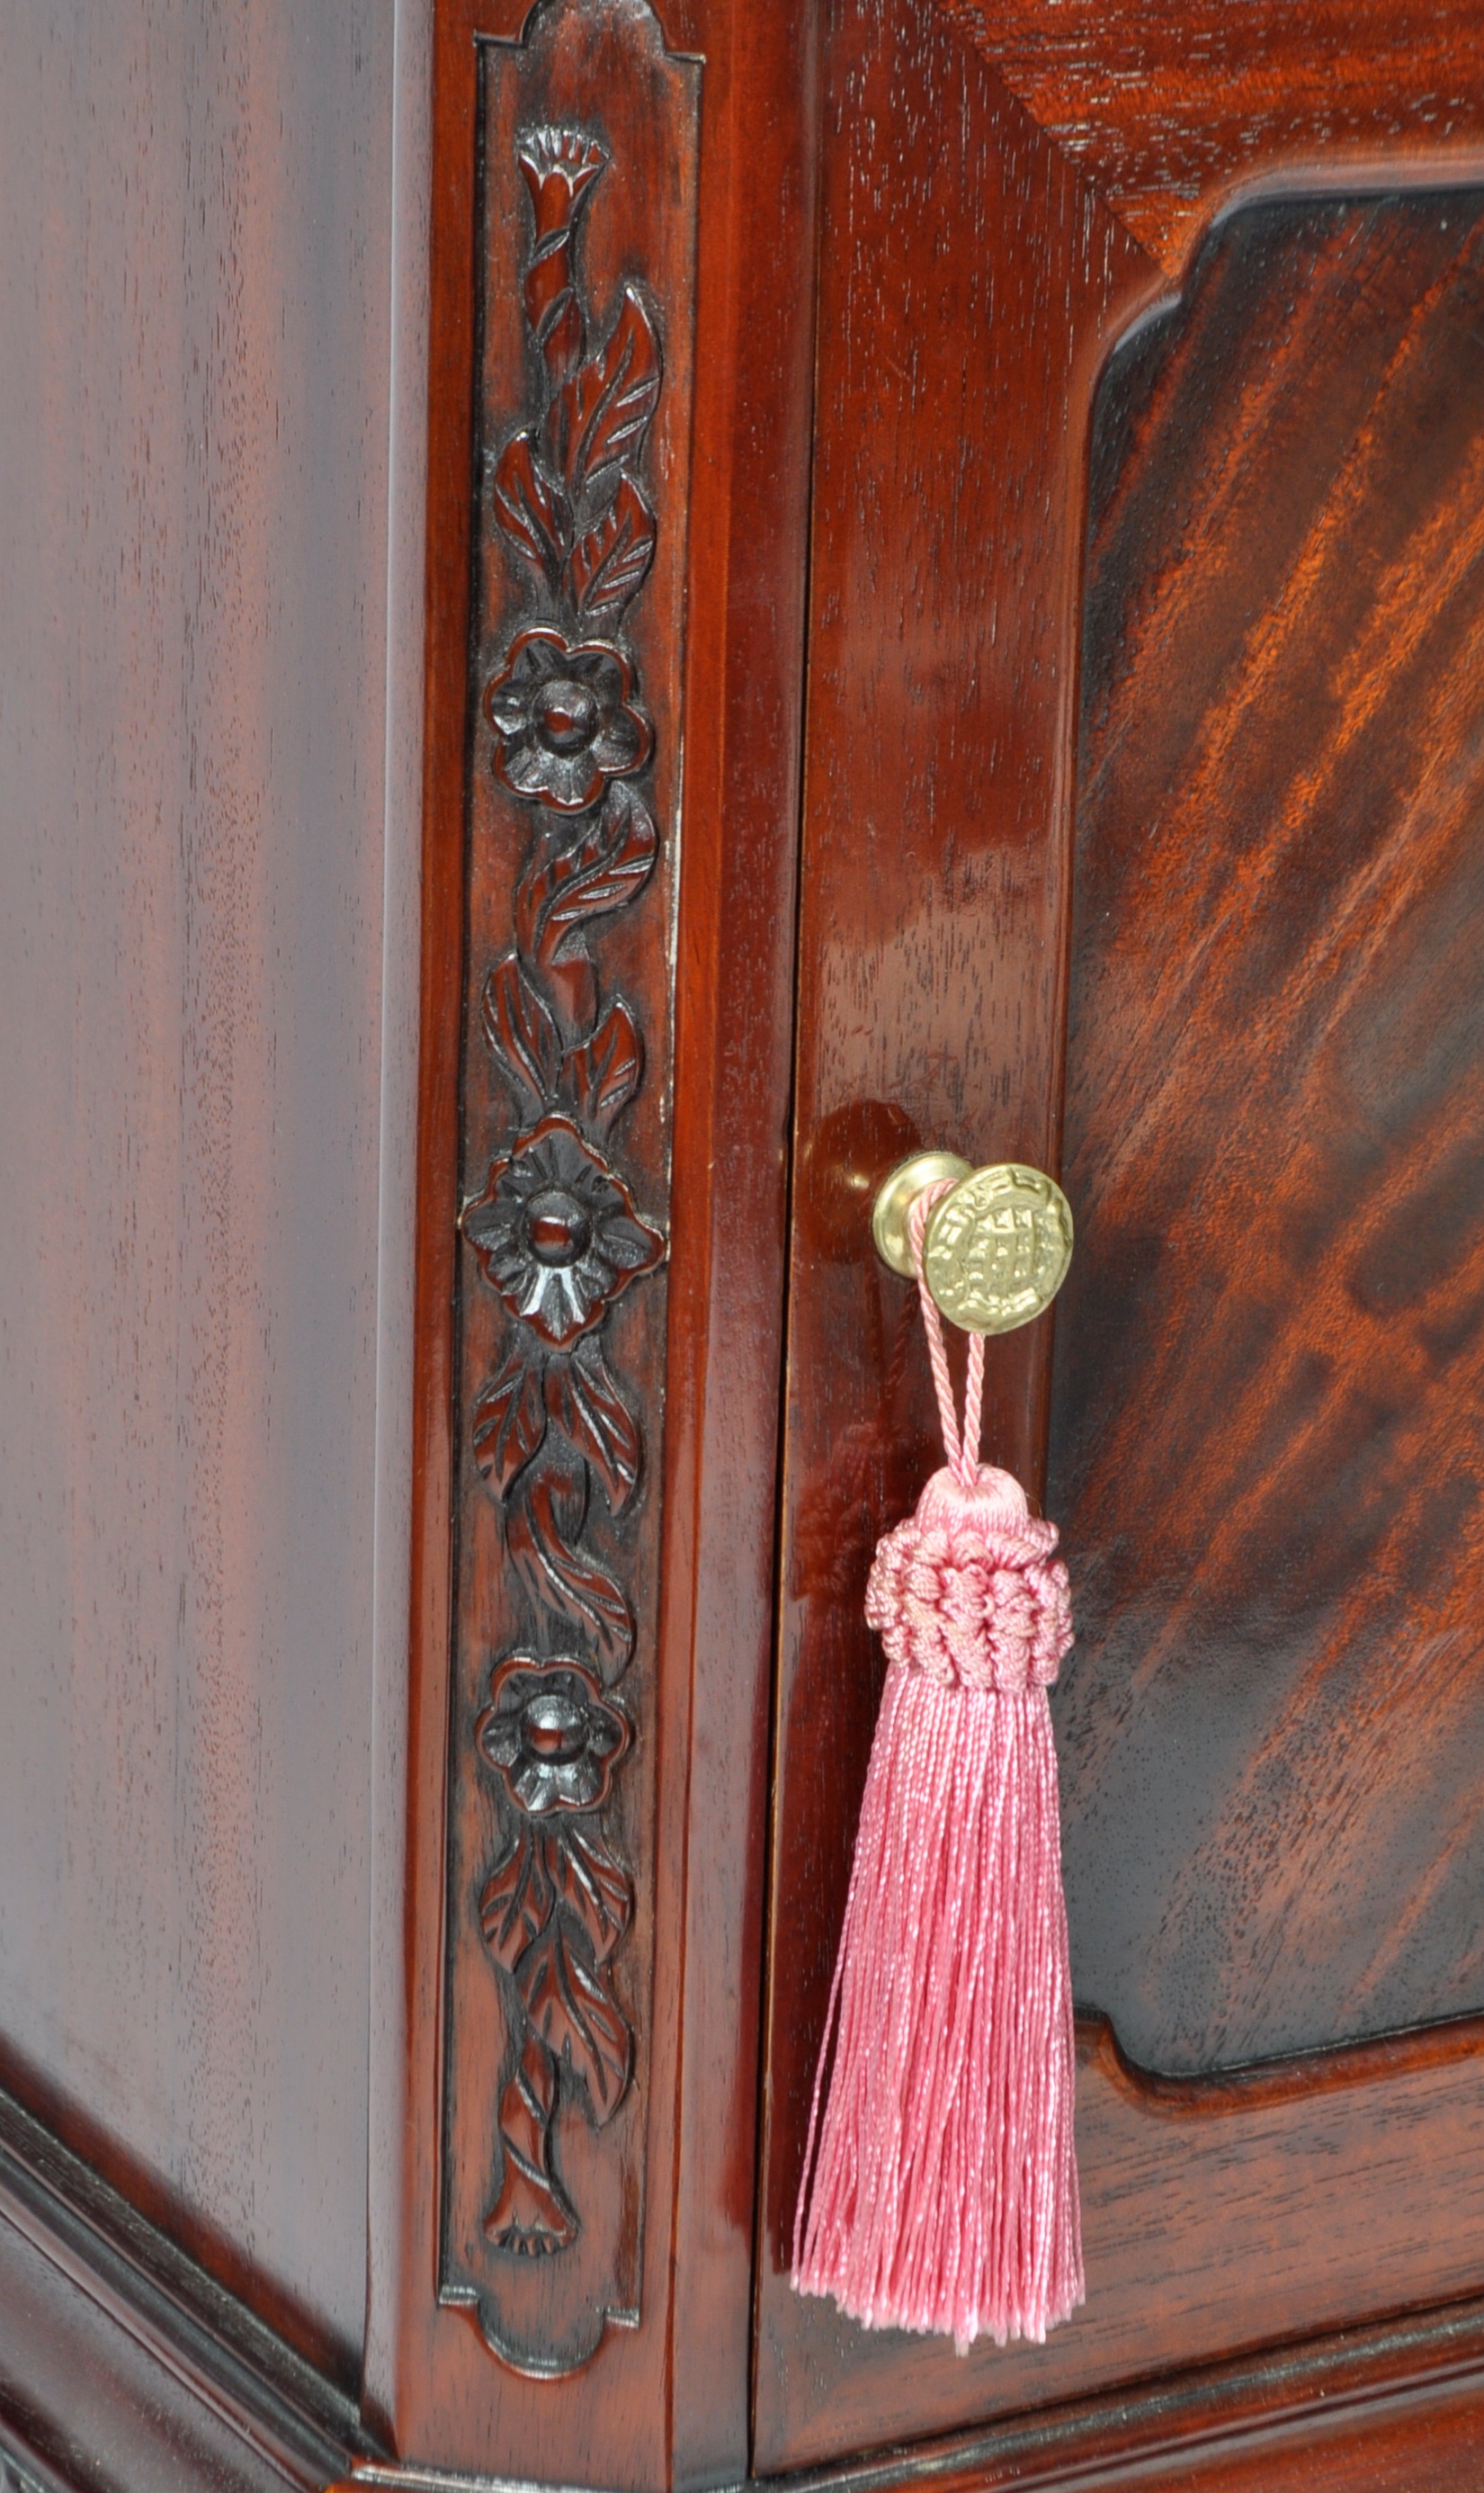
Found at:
[1397, 2403]
[124, 2369]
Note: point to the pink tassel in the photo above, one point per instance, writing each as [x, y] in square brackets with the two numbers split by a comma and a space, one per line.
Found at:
[944, 2194]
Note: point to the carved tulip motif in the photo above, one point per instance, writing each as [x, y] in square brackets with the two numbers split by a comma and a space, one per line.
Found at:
[554, 1231]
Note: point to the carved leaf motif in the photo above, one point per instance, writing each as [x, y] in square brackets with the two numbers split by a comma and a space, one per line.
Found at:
[510, 1420]
[522, 1031]
[582, 1398]
[608, 562]
[601, 1077]
[519, 1899]
[589, 1883]
[569, 1580]
[530, 508]
[572, 2009]
[601, 872]
[599, 417]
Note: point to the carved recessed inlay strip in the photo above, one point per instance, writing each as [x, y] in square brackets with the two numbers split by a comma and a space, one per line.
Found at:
[585, 277]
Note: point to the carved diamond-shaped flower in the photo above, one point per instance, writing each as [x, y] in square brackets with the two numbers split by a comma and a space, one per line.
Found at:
[551, 1734]
[556, 1233]
[564, 719]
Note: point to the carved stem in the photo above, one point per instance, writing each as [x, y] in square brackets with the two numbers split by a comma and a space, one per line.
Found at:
[532, 2215]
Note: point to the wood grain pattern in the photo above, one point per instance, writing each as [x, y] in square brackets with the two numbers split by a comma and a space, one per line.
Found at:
[942, 652]
[193, 422]
[122, 2363]
[78, 2393]
[207, 1205]
[1164, 108]
[119, 2366]
[1213, 2221]
[1395, 2403]
[1269, 1368]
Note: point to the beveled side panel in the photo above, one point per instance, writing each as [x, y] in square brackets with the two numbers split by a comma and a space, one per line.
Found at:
[586, 229]
[1267, 1446]
[196, 279]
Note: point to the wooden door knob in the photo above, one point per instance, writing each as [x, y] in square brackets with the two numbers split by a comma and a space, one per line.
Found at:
[997, 1245]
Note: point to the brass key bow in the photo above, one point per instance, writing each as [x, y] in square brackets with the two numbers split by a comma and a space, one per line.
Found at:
[997, 1245]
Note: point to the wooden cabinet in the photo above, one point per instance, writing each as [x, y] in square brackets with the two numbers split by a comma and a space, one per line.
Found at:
[611, 618]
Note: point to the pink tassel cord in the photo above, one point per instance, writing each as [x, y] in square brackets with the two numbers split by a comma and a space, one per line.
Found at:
[944, 2191]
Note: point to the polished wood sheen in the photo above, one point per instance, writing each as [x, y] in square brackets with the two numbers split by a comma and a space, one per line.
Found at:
[665, 2395]
[1269, 1361]
[581, 481]
[1139, 680]
[1392, 2405]
[943, 645]
[120, 2364]
[115, 2366]
[1215, 2219]
[943, 665]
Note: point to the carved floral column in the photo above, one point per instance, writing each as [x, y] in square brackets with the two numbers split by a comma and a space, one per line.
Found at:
[585, 274]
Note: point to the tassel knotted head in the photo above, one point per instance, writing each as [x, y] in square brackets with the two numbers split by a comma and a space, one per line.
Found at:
[966, 1589]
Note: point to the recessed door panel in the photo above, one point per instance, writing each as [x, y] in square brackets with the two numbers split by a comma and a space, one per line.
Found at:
[1269, 1377]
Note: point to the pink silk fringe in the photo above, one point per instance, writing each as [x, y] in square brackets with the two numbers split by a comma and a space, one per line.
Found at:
[945, 2191]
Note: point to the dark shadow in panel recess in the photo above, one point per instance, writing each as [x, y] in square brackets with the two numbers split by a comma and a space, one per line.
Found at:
[1268, 1426]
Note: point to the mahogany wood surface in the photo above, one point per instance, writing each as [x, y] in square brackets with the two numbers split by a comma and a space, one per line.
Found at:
[122, 2364]
[1214, 2221]
[956, 347]
[567, 1079]
[1265, 1442]
[1394, 2406]
[119, 2368]
[193, 424]
[955, 390]
[666, 2397]
[1167, 108]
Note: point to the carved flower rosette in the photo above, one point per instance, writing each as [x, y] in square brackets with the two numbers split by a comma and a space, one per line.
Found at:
[562, 1222]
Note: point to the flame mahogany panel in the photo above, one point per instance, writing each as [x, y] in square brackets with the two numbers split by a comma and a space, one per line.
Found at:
[1271, 1354]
